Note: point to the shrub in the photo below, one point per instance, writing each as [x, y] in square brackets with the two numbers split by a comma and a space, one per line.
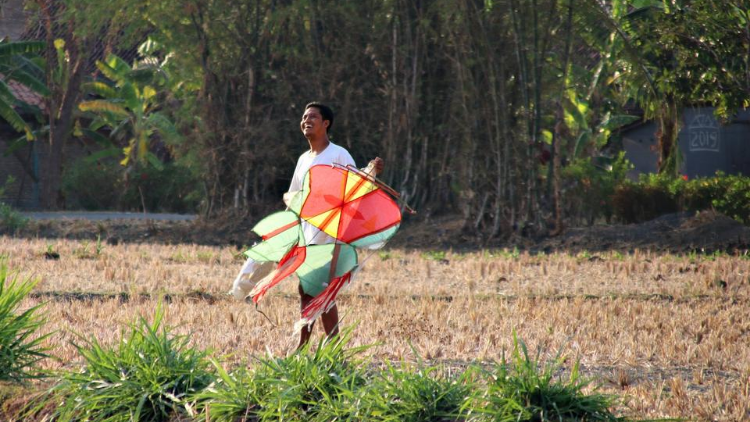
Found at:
[148, 376]
[698, 194]
[528, 391]
[172, 188]
[20, 345]
[590, 186]
[92, 185]
[637, 202]
[421, 394]
[103, 185]
[304, 386]
[10, 219]
[655, 195]
[729, 195]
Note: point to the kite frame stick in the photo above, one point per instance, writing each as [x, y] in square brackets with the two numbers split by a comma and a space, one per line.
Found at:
[379, 183]
[334, 261]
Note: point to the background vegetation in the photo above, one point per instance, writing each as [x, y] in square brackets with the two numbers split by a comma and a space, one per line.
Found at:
[497, 110]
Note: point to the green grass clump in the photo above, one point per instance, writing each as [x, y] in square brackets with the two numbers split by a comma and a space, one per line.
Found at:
[528, 391]
[154, 376]
[304, 386]
[434, 255]
[234, 396]
[10, 219]
[20, 346]
[417, 394]
[148, 376]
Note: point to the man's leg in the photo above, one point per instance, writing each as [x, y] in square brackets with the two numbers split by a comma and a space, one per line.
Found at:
[306, 331]
[331, 321]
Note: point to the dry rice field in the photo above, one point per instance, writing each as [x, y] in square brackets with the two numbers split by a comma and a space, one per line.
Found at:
[669, 334]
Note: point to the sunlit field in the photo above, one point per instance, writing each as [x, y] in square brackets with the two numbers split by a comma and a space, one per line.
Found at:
[668, 334]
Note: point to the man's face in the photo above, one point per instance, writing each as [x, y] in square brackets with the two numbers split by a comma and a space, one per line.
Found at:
[312, 123]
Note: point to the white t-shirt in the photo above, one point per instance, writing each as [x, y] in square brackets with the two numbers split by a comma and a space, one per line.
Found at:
[333, 154]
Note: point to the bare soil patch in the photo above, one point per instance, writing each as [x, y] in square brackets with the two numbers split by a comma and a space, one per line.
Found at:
[704, 232]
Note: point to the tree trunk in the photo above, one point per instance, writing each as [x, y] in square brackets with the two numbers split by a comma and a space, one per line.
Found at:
[60, 105]
[666, 137]
[560, 130]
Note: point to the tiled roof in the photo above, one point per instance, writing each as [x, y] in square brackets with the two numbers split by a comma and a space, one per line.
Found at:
[25, 94]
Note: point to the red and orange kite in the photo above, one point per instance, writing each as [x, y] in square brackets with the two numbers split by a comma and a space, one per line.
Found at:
[352, 208]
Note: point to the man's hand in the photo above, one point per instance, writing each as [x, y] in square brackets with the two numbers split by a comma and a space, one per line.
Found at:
[378, 164]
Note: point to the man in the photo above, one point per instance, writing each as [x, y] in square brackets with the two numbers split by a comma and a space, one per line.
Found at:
[317, 121]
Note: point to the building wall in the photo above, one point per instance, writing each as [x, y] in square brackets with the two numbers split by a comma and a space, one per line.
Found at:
[641, 149]
[706, 146]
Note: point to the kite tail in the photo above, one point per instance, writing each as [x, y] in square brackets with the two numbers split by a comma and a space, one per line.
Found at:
[289, 264]
[264, 285]
[322, 302]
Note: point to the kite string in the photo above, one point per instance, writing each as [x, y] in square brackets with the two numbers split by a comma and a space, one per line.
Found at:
[264, 314]
[372, 252]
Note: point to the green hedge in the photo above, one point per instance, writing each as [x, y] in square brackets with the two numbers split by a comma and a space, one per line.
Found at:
[654, 195]
[93, 185]
[589, 187]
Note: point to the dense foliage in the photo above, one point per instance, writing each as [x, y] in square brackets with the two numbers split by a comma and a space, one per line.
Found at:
[332, 383]
[10, 219]
[483, 108]
[103, 185]
[654, 195]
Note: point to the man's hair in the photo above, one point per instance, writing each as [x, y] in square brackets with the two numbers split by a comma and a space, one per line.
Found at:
[325, 111]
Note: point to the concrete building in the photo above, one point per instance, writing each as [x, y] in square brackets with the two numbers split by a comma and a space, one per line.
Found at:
[706, 146]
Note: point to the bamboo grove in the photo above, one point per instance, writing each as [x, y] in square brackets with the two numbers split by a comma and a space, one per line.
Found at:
[477, 106]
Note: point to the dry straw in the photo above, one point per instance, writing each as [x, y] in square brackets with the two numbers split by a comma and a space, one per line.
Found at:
[668, 333]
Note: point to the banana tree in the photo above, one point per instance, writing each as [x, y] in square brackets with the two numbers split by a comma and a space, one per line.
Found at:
[17, 66]
[634, 66]
[128, 105]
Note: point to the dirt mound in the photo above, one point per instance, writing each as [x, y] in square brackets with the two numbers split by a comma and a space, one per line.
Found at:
[233, 228]
[679, 233]
[706, 231]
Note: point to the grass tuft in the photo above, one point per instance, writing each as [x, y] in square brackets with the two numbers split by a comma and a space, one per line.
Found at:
[418, 394]
[148, 376]
[233, 396]
[529, 391]
[308, 385]
[20, 346]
